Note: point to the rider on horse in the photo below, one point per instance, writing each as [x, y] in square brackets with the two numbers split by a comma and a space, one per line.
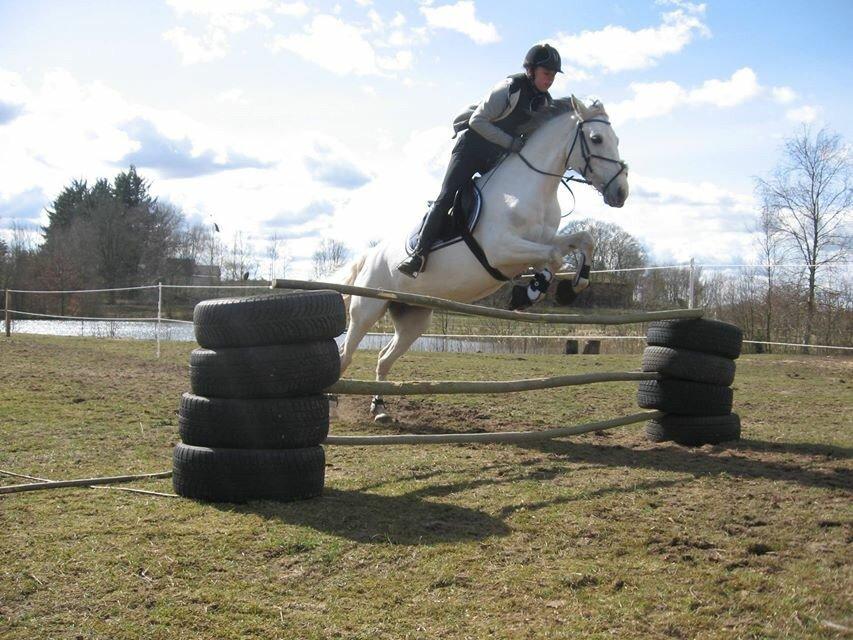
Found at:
[487, 132]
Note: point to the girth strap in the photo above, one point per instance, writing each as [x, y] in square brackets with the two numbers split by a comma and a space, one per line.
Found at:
[478, 252]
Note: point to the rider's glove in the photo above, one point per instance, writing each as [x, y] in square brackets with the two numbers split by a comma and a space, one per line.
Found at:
[516, 145]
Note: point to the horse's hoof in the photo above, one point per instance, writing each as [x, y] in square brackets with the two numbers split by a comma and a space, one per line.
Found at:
[581, 285]
[383, 418]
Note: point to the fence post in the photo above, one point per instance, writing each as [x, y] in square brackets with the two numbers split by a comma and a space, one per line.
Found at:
[690, 292]
[8, 301]
[159, 313]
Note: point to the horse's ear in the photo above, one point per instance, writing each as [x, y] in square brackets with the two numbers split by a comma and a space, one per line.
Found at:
[579, 107]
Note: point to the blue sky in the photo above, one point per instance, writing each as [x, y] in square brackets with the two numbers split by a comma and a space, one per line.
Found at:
[332, 119]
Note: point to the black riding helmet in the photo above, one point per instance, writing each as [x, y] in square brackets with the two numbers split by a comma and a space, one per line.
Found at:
[543, 55]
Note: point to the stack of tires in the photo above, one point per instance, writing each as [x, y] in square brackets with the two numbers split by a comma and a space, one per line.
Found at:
[252, 426]
[696, 359]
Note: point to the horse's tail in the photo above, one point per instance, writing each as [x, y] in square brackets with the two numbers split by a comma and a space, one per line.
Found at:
[351, 273]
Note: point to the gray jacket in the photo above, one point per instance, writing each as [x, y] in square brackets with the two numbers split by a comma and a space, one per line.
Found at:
[497, 105]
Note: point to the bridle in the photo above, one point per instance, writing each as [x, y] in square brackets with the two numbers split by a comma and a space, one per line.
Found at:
[580, 135]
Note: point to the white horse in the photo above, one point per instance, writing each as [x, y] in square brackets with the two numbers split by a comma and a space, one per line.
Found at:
[517, 229]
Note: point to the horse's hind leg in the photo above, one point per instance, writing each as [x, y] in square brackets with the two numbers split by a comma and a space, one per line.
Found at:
[363, 314]
[409, 324]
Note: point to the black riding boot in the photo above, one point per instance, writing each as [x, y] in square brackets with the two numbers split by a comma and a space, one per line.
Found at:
[416, 263]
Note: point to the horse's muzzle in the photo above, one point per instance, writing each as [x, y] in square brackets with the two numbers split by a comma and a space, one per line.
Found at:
[616, 195]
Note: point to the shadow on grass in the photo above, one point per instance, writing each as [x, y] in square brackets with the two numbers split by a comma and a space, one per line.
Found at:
[373, 518]
[700, 463]
[800, 448]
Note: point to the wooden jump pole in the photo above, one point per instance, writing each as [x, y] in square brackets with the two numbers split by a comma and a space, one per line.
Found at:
[84, 482]
[421, 387]
[488, 312]
[507, 436]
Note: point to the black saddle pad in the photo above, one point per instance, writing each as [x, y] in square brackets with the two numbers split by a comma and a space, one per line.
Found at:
[465, 213]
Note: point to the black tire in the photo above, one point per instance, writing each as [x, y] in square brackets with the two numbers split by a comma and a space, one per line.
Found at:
[277, 423]
[239, 475]
[303, 316]
[685, 397]
[705, 336]
[694, 431]
[275, 371]
[689, 365]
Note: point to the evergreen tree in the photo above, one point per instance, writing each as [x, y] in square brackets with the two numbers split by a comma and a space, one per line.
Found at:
[68, 205]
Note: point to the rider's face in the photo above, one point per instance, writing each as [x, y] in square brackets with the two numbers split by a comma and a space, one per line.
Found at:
[543, 78]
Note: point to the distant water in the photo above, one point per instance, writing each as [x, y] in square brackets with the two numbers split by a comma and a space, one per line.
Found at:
[184, 333]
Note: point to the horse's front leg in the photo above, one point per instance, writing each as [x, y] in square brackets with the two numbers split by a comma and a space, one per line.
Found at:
[583, 243]
[520, 251]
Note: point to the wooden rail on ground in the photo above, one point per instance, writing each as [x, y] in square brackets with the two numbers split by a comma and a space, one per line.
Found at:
[506, 436]
[421, 387]
[488, 312]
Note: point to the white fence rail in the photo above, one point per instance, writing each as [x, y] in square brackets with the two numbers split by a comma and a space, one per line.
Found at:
[159, 318]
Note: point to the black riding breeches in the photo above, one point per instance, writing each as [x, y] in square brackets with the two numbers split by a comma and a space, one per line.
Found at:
[471, 154]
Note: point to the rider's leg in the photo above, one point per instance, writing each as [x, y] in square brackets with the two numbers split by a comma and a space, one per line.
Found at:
[467, 158]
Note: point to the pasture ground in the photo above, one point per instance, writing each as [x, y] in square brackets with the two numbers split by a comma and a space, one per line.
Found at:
[598, 536]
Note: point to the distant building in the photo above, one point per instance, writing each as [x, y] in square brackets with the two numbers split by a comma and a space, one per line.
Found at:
[206, 274]
[185, 271]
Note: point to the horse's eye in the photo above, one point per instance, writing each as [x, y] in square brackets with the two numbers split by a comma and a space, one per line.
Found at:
[596, 138]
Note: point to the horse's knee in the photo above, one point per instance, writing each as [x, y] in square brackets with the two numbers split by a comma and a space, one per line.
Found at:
[587, 243]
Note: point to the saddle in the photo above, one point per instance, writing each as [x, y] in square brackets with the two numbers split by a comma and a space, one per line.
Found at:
[463, 216]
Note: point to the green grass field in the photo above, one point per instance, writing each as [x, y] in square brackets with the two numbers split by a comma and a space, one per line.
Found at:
[600, 536]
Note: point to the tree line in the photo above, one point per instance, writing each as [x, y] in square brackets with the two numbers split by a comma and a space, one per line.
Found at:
[115, 234]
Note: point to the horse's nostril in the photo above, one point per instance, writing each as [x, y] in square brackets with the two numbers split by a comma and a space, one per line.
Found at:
[621, 194]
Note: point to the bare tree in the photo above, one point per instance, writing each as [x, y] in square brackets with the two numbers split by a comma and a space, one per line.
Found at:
[240, 263]
[329, 256]
[615, 248]
[772, 251]
[277, 256]
[808, 198]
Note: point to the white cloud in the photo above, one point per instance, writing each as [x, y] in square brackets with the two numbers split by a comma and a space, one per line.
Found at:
[679, 220]
[376, 22]
[784, 95]
[222, 17]
[461, 17]
[232, 96]
[225, 14]
[616, 48]
[70, 129]
[652, 99]
[340, 48]
[193, 49]
[295, 9]
[742, 86]
[804, 114]
[12, 88]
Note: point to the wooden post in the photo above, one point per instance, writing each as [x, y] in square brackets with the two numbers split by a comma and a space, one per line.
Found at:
[8, 318]
[691, 285]
[159, 313]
